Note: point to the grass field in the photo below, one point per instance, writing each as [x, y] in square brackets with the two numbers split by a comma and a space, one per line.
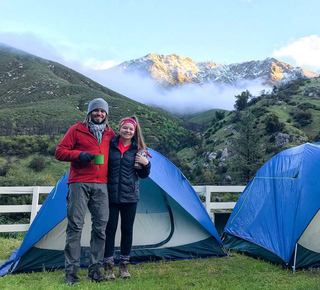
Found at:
[234, 272]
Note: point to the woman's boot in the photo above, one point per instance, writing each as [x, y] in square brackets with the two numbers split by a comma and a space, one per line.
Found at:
[108, 271]
[123, 270]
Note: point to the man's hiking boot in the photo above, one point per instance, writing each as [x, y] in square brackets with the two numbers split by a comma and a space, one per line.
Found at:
[108, 271]
[95, 276]
[123, 270]
[72, 279]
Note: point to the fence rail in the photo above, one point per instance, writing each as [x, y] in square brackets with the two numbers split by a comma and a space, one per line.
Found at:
[35, 191]
[33, 208]
[206, 191]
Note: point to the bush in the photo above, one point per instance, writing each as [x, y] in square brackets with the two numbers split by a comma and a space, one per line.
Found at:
[22, 178]
[273, 123]
[272, 138]
[4, 166]
[219, 114]
[304, 118]
[219, 154]
[38, 163]
[306, 106]
[254, 101]
[317, 137]
[270, 149]
[26, 145]
[258, 112]
[242, 100]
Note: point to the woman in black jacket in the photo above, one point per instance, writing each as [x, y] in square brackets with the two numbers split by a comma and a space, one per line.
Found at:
[127, 161]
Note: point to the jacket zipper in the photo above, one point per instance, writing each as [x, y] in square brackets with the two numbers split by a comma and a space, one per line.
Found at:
[121, 158]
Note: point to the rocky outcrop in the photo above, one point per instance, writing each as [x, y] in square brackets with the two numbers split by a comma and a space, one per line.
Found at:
[313, 92]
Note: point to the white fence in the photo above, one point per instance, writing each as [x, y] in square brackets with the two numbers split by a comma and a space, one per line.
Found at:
[206, 190]
[33, 208]
[35, 191]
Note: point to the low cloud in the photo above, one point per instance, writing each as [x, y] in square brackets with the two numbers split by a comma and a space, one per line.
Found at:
[31, 43]
[52, 49]
[305, 52]
[189, 98]
[183, 99]
[99, 65]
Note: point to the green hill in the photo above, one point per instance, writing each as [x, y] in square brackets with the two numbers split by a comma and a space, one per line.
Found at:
[206, 118]
[41, 99]
[231, 149]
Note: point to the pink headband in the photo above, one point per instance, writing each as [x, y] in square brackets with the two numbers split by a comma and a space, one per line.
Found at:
[128, 120]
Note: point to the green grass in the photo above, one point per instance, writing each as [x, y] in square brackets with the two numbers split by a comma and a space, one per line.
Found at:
[234, 272]
[205, 118]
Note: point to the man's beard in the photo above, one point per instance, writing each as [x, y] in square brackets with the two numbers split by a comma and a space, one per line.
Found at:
[98, 123]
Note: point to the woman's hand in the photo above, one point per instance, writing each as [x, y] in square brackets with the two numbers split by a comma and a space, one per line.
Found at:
[140, 159]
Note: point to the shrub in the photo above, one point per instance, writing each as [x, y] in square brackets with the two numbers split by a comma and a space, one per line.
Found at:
[4, 166]
[306, 106]
[242, 100]
[219, 154]
[254, 101]
[38, 163]
[272, 138]
[273, 123]
[270, 149]
[317, 137]
[303, 117]
[219, 114]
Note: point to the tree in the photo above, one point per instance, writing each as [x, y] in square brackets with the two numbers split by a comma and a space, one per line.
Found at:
[247, 149]
[196, 140]
[219, 115]
[242, 100]
[273, 123]
[304, 118]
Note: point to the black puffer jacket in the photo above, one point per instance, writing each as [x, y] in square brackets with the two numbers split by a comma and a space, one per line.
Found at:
[123, 181]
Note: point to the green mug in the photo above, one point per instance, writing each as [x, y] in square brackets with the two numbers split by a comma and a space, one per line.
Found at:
[98, 159]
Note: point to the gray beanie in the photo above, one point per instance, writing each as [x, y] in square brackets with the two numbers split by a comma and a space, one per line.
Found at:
[98, 103]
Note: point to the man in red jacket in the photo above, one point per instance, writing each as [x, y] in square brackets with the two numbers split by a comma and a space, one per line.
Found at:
[87, 187]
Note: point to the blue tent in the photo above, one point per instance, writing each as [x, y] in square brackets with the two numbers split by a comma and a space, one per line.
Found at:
[171, 223]
[277, 216]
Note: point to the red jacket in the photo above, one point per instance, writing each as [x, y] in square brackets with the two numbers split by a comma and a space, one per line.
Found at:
[79, 139]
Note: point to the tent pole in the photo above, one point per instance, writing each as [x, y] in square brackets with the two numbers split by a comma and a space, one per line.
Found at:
[295, 259]
[226, 251]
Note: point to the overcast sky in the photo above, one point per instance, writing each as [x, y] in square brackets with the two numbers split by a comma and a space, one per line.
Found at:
[98, 34]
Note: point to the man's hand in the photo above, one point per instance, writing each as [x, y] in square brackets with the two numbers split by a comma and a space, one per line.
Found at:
[85, 157]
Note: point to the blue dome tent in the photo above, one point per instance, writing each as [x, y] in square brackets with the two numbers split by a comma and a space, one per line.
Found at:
[277, 216]
[171, 223]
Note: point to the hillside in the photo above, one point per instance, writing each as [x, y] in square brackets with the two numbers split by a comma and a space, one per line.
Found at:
[205, 119]
[262, 127]
[41, 97]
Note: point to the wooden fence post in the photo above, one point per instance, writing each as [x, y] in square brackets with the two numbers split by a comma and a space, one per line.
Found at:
[35, 202]
[208, 201]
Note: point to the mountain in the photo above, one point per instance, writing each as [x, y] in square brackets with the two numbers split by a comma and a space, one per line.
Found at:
[174, 70]
[42, 97]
